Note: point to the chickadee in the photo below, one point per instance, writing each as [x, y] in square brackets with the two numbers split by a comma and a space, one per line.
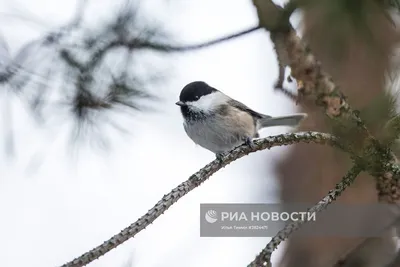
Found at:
[219, 123]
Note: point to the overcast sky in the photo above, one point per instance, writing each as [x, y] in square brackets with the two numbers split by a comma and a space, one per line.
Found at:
[54, 210]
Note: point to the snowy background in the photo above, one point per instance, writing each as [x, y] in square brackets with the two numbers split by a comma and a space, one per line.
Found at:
[55, 206]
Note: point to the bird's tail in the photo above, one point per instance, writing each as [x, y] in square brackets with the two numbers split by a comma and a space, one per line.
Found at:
[290, 120]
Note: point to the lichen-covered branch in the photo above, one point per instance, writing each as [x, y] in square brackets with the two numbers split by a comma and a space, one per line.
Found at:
[318, 85]
[304, 67]
[264, 258]
[196, 180]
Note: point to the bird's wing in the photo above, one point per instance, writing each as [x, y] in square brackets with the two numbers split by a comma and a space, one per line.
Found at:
[245, 108]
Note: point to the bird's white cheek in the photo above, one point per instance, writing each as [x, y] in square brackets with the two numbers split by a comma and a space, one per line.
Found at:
[202, 104]
[206, 103]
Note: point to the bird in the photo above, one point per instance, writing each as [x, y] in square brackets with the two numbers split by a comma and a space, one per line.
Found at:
[219, 123]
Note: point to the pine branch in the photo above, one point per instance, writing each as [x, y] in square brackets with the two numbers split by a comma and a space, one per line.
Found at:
[161, 47]
[264, 258]
[196, 180]
[318, 85]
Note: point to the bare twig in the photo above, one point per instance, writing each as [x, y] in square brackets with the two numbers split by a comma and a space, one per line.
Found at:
[194, 181]
[171, 48]
[146, 44]
[264, 258]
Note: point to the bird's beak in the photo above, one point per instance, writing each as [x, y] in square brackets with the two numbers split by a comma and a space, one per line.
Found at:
[180, 103]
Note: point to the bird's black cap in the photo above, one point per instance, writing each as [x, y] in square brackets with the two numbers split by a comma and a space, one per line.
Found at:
[194, 90]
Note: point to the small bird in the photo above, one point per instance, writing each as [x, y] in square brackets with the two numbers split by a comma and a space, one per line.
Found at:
[219, 123]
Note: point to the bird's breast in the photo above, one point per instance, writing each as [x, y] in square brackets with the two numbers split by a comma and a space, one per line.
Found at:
[220, 134]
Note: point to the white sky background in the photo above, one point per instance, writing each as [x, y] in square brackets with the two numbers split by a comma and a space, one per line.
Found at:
[66, 207]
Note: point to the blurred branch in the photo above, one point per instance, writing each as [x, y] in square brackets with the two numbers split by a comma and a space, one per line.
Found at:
[50, 38]
[137, 43]
[76, 57]
[171, 48]
[54, 37]
[264, 258]
[146, 44]
[196, 180]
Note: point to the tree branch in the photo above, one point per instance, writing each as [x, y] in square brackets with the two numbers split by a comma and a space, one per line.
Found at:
[146, 44]
[319, 86]
[264, 258]
[305, 68]
[171, 48]
[197, 179]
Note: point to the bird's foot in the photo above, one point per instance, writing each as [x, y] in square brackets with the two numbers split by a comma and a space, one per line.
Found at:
[249, 141]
